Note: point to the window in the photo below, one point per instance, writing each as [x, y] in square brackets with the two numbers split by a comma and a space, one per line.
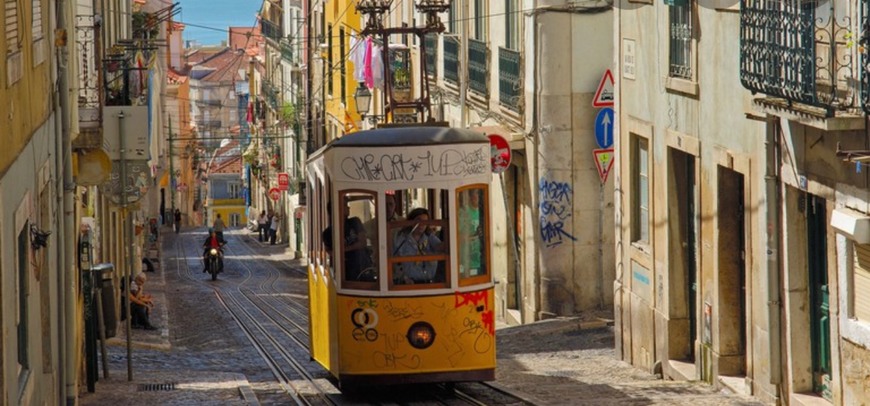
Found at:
[861, 288]
[681, 39]
[640, 190]
[235, 219]
[452, 15]
[418, 240]
[480, 19]
[359, 263]
[512, 27]
[343, 56]
[471, 226]
[13, 43]
[37, 33]
[329, 60]
[21, 291]
[234, 190]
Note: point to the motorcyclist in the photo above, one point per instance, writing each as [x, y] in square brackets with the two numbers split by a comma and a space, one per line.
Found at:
[212, 241]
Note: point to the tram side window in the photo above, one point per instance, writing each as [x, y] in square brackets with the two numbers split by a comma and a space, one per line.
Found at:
[360, 249]
[471, 232]
[419, 246]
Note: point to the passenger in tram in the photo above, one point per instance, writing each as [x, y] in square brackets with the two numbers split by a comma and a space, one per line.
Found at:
[416, 240]
[470, 234]
[358, 265]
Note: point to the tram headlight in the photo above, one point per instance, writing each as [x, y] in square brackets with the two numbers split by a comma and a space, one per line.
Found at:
[421, 335]
[213, 251]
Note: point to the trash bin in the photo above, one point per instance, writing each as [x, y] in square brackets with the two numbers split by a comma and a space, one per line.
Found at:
[106, 284]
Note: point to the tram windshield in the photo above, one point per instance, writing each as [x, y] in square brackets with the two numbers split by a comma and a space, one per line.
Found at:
[418, 239]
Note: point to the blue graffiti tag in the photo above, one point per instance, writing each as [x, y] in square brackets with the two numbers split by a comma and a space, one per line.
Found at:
[555, 207]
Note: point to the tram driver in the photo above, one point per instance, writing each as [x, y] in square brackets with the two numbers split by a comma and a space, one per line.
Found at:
[416, 240]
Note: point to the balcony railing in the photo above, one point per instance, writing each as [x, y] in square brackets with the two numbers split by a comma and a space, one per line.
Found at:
[800, 51]
[864, 42]
[451, 60]
[286, 51]
[478, 66]
[273, 31]
[510, 85]
[88, 72]
[271, 94]
[430, 43]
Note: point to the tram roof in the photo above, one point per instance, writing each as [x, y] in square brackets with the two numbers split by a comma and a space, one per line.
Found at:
[402, 136]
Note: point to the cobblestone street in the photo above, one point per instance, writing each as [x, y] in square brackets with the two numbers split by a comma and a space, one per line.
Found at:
[199, 349]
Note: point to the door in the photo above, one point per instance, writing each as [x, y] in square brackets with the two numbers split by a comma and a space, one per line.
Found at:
[820, 321]
[683, 250]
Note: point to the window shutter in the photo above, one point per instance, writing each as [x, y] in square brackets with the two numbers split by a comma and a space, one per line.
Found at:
[861, 291]
[37, 19]
[678, 3]
[11, 26]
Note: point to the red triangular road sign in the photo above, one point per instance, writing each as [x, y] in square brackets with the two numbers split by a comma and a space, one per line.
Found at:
[604, 96]
[604, 162]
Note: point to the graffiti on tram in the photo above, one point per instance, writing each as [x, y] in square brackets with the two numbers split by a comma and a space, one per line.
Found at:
[407, 166]
[467, 323]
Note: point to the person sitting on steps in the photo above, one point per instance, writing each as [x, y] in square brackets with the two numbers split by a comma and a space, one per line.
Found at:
[141, 304]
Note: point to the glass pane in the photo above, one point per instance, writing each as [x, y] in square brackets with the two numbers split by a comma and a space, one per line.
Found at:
[359, 249]
[417, 237]
[470, 233]
[644, 225]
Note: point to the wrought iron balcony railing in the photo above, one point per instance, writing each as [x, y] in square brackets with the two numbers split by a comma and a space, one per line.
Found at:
[478, 66]
[271, 94]
[273, 31]
[510, 85]
[287, 51]
[88, 72]
[864, 47]
[799, 50]
[451, 60]
[431, 45]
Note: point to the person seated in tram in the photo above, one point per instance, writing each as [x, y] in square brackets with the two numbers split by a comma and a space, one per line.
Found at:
[358, 264]
[416, 240]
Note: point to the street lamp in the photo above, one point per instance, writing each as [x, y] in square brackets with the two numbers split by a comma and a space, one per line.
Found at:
[362, 97]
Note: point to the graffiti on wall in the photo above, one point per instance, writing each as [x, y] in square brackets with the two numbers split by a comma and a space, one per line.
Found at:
[555, 206]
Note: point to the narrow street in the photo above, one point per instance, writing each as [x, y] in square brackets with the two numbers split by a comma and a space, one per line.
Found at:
[243, 340]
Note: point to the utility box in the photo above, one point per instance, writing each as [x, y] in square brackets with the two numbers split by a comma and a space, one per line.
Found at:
[104, 275]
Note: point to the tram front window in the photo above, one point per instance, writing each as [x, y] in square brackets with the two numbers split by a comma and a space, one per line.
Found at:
[418, 239]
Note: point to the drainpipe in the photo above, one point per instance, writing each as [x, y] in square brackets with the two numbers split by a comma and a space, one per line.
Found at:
[774, 300]
[66, 278]
[536, 96]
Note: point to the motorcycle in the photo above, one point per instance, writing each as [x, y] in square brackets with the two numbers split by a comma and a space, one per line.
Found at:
[214, 261]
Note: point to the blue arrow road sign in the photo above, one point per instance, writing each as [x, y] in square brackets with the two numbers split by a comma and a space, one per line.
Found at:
[604, 128]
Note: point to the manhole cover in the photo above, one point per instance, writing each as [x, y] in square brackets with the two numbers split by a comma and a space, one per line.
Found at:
[154, 387]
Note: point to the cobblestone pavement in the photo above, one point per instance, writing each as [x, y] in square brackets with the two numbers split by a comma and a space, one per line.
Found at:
[198, 356]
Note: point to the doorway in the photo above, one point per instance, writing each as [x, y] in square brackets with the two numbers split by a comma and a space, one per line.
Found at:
[683, 254]
[731, 275]
[820, 318]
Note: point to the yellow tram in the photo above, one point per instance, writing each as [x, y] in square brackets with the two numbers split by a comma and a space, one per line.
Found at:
[400, 283]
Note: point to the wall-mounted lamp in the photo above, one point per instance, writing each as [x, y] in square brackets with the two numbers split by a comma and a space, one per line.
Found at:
[38, 238]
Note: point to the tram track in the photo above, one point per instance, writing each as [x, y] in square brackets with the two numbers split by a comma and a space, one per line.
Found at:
[275, 323]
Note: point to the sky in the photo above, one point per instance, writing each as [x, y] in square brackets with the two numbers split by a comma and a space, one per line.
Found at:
[207, 20]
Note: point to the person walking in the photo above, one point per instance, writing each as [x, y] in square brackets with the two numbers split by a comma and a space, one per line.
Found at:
[273, 229]
[218, 227]
[263, 226]
[177, 221]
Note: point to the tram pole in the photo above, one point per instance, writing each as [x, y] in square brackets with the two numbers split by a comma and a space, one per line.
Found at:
[126, 239]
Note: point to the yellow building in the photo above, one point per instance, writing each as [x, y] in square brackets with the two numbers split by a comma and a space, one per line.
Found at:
[342, 22]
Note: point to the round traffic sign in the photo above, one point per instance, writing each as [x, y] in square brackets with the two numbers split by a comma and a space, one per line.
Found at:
[274, 193]
[501, 153]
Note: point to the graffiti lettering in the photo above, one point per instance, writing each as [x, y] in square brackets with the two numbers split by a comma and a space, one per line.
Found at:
[555, 207]
[399, 313]
[392, 360]
[483, 340]
[398, 166]
[474, 298]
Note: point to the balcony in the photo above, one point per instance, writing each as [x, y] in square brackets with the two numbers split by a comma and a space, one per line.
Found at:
[478, 66]
[287, 52]
[451, 60]
[430, 44]
[800, 55]
[88, 74]
[272, 94]
[272, 31]
[510, 85]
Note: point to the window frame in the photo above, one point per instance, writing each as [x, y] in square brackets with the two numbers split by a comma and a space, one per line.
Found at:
[640, 232]
[436, 202]
[484, 205]
[343, 213]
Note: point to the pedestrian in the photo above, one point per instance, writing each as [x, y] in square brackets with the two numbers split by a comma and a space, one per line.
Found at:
[177, 221]
[273, 229]
[218, 227]
[263, 226]
[141, 304]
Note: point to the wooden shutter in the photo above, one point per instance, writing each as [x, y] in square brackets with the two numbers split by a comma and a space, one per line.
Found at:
[861, 285]
[37, 19]
[11, 7]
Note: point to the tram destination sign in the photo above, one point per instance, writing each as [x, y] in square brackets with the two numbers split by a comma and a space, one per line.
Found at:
[421, 163]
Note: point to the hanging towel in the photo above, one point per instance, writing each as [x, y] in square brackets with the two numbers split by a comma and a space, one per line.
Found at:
[358, 57]
[377, 66]
[370, 83]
